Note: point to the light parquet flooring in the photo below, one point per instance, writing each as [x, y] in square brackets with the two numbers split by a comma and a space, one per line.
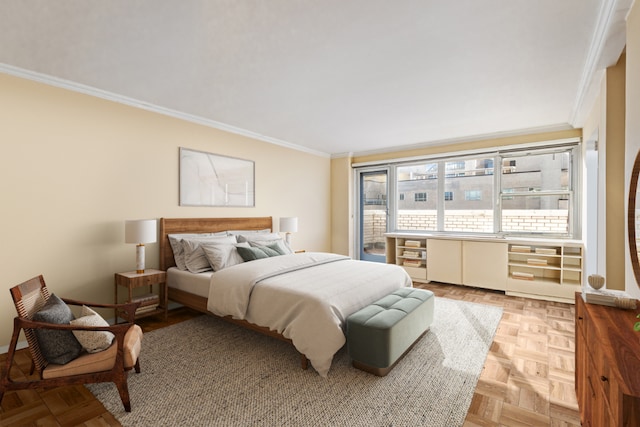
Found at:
[528, 376]
[527, 380]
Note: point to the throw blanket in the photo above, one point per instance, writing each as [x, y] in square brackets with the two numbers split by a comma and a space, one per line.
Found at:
[305, 297]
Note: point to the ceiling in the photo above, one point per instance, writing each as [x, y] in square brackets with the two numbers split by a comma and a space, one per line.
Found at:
[328, 76]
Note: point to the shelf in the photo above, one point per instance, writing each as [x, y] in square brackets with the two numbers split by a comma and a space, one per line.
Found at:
[542, 267]
[159, 310]
[535, 280]
[557, 280]
[416, 272]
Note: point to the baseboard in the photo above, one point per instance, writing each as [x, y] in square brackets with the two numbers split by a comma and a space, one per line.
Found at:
[21, 344]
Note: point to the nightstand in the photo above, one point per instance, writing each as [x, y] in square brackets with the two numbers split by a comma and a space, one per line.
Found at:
[150, 304]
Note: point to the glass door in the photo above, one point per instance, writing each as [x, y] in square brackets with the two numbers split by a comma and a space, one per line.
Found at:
[373, 215]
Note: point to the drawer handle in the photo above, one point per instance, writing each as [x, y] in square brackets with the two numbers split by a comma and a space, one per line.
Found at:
[603, 378]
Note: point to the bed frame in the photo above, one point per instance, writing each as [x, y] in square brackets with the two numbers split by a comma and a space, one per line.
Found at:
[210, 225]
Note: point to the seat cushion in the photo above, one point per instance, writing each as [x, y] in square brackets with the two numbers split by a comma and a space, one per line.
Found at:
[102, 361]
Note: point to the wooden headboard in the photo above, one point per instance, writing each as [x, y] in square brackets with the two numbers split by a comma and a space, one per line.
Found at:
[203, 225]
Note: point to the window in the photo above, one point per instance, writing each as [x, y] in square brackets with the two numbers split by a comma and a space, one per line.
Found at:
[452, 167]
[536, 194]
[417, 178]
[473, 195]
[531, 193]
[472, 178]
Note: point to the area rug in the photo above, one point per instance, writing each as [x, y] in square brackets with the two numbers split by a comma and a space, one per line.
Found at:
[206, 372]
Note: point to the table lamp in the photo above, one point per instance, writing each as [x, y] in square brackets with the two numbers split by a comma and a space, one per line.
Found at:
[140, 231]
[288, 225]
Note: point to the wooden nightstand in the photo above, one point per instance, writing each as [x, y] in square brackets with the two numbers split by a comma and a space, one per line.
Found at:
[150, 304]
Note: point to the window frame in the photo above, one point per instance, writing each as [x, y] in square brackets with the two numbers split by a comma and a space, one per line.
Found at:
[504, 157]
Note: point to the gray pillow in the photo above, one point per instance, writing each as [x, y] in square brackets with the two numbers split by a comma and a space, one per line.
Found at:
[194, 257]
[57, 347]
[258, 252]
[223, 256]
[176, 245]
[260, 239]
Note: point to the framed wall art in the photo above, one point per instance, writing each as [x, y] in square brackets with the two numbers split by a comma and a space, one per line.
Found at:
[208, 179]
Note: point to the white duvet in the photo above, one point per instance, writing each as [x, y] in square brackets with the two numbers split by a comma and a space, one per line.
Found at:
[305, 297]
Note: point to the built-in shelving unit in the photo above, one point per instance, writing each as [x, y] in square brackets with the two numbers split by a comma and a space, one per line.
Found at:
[543, 269]
[553, 271]
[411, 254]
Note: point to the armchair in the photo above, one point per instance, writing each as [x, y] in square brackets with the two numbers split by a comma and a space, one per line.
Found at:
[109, 365]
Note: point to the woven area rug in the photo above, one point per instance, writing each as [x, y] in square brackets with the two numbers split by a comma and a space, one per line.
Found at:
[206, 372]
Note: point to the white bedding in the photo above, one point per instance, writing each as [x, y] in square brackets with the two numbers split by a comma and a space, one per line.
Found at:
[194, 283]
[305, 297]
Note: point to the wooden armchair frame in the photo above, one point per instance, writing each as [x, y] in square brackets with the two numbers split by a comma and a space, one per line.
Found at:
[117, 374]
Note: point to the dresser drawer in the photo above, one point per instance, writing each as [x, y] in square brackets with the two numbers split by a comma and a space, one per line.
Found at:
[607, 365]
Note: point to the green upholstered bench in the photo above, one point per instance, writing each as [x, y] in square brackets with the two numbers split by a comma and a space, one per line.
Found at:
[381, 333]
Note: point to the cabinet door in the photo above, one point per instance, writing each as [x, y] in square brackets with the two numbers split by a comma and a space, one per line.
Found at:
[484, 264]
[444, 261]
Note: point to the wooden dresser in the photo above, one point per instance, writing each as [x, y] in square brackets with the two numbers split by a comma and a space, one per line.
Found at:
[607, 365]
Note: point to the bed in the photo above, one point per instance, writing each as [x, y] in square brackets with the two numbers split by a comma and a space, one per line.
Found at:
[301, 298]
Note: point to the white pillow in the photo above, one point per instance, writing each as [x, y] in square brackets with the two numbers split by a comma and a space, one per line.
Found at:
[266, 239]
[223, 256]
[92, 341]
[175, 240]
[194, 258]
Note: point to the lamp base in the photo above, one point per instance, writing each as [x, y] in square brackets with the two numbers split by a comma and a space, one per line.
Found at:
[140, 258]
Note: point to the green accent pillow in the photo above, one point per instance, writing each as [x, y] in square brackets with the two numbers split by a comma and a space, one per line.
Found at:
[258, 252]
[275, 247]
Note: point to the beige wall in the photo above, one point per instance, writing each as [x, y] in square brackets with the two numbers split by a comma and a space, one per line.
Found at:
[615, 188]
[342, 209]
[74, 167]
[632, 120]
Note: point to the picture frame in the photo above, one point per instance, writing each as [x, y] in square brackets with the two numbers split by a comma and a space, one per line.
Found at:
[208, 179]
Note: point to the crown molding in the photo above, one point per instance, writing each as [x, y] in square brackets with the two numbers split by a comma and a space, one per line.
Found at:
[607, 43]
[110, 96]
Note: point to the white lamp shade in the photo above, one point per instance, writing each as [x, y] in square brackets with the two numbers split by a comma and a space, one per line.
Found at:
[289, 225]
[140, 231]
